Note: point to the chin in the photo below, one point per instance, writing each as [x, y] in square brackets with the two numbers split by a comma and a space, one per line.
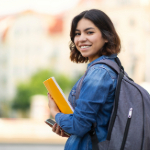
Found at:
[85, 55]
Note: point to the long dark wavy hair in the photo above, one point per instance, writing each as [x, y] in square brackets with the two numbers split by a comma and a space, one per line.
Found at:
[105, 25]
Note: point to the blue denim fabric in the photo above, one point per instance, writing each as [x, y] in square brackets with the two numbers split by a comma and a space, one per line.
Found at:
[94, 105]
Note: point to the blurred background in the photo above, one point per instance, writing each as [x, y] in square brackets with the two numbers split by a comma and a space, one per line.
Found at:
[34, 45]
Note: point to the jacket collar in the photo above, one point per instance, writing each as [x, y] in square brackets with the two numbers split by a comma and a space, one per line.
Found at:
[102, 58]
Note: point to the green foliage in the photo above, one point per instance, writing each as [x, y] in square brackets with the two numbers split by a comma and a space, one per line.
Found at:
[4, 109]
[22, 98]
[36, 86]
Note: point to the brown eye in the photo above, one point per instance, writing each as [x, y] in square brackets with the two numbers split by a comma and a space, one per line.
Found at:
[77, 34]
[90, 32]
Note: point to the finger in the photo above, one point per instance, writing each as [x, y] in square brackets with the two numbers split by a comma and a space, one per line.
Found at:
[49, 101]
[54, 127]
[58, 130]
[63, 134]
[49, 96]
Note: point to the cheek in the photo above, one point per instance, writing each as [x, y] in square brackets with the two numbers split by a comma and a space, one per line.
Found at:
[75, 41]
[100, 42]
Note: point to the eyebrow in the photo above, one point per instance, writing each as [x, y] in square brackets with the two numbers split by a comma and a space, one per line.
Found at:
[85, 29]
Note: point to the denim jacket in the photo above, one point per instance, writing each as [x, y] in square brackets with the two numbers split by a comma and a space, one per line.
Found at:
[94, 104]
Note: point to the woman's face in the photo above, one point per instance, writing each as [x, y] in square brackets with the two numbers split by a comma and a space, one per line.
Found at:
[88, 39]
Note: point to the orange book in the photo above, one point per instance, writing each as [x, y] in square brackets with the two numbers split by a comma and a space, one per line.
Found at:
[58, 96]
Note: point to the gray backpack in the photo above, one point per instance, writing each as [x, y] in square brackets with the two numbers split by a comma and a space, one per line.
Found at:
[129, 126]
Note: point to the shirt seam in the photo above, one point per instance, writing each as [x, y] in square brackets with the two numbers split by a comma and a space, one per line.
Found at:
[97, 68]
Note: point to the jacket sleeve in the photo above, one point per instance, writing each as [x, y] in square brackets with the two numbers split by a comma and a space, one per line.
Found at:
[94, 91]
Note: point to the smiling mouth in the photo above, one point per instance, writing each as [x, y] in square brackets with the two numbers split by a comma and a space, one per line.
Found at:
[85, 46]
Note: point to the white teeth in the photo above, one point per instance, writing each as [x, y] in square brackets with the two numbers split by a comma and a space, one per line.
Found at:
[85, 46]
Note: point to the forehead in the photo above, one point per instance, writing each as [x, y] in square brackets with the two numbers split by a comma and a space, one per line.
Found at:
[85, 23]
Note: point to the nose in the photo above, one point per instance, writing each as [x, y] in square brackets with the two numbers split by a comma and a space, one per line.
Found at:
[82, 38]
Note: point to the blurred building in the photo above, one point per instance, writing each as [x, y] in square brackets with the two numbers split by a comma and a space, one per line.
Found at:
[39, 109]
[30, 41]
[24, 47]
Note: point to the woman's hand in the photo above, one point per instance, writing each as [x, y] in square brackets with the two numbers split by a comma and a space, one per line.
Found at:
[54, 110]
[56, 128]
[53, 107]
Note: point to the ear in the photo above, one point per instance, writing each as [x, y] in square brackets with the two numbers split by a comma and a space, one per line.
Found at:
[106, 41]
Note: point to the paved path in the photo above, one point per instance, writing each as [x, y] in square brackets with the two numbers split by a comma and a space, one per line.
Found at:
[31, 147]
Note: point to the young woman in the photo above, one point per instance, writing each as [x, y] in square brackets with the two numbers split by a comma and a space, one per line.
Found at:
[93, 38]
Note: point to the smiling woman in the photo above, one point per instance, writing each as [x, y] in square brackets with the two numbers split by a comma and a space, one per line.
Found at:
[93, 25]
[93, 38]
[88, 39]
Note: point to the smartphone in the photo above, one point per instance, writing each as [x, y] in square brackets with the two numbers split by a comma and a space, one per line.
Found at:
[52, 122]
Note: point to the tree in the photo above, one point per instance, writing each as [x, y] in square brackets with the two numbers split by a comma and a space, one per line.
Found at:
[36, 86]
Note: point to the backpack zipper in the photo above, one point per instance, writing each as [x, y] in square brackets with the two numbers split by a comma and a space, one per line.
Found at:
[126, 129]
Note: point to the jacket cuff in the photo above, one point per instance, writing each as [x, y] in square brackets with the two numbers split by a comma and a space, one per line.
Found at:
[58, 117]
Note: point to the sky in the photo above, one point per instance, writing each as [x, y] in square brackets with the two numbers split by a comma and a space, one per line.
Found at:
[46, 6]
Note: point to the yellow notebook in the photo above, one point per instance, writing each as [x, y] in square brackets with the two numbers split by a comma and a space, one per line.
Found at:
[58, 96]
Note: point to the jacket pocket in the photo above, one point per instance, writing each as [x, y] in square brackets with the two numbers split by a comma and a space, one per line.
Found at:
[126, 129]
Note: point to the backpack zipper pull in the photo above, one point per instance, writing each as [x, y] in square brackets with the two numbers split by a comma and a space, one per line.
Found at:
[130, 113]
